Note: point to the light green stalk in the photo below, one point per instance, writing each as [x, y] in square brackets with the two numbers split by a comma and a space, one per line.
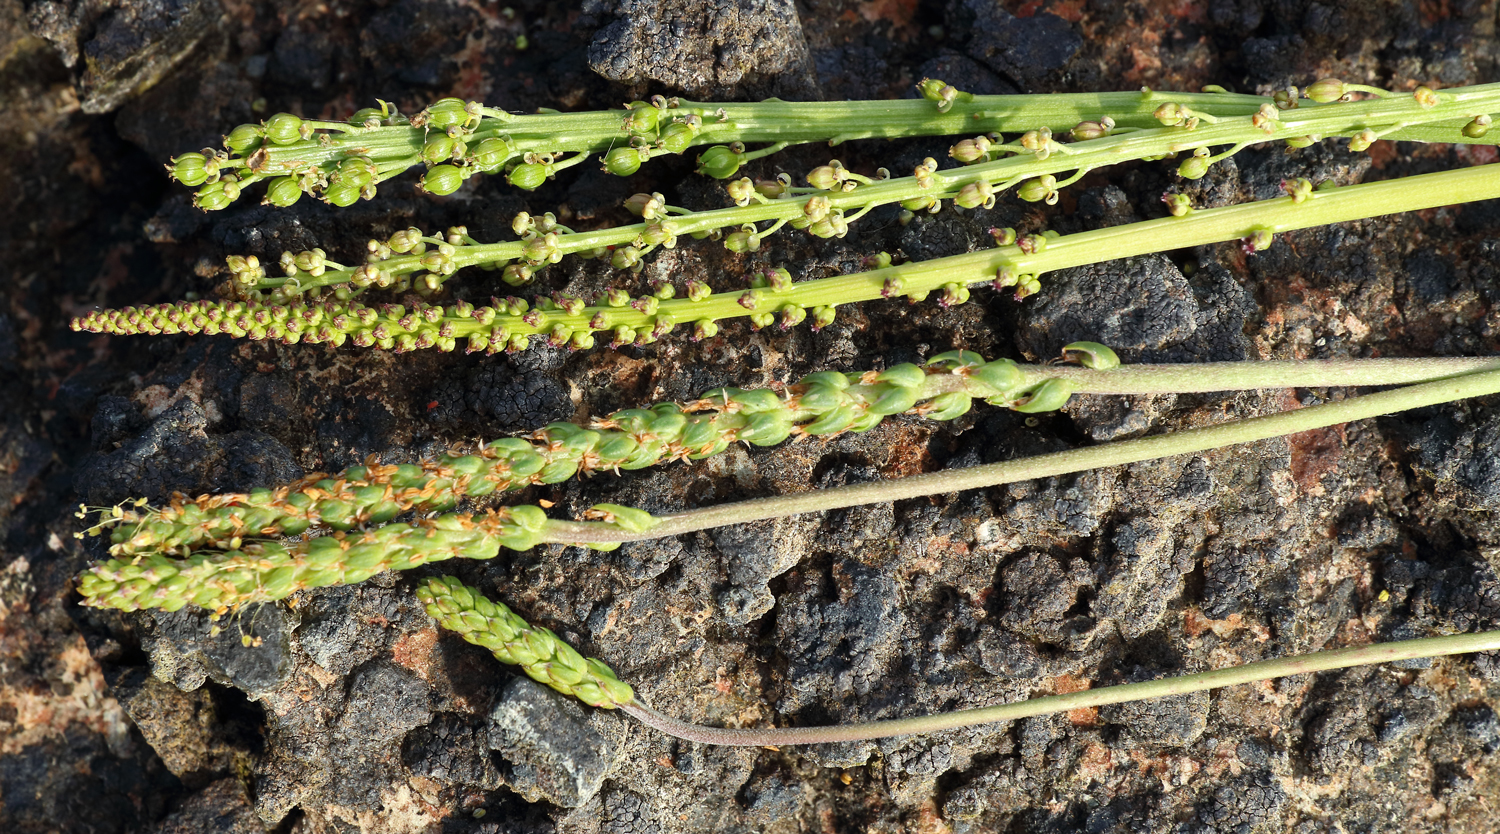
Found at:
[972, 185]
[544, 657]
[775, 298]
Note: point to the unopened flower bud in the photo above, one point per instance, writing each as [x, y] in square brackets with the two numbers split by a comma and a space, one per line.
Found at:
[771, 188]
[1038, 140]
[1038, 189]
[626, 257]
[518, 275]
[1178, 205]
[1299, 189]
[822, 177]
[704, 329]
[822, 316]
[697, 290]
[719, 162]
[1086, 130]
[742, 241]
[1362, 140]
[969, 151]
[1195, 166]
[284, 128]
[1325, 91]
[1259, 240]
[1032, 244]
[528, 176]
[442, 180]
[1003, 237]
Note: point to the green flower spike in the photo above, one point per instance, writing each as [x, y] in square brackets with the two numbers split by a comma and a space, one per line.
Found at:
[541, 654]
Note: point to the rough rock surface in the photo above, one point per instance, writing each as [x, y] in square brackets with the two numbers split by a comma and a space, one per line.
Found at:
[348, 710]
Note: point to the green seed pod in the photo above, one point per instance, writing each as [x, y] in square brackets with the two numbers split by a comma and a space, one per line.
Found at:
[445, 113]
[1478, 126]
[1194, 167]
[526, 464]
[437, 149]
[490, 154]
[766, 428]
[719, 162]
[190, 169]
[342, 192]
[528, 176]
[629, 519]
[905, 374]
[642, 119]
[678, 137]
[243, 138]
[284, 192]
[756, 401]
[821, 398]
[1051, 395]
[893, 398]
[442, 180]
[213, 196]
[833, 421]
[557, 471]
[1091, 355]
[1325, 91]
[623, 161]
[284, 128]
[700, 431]
[955, 360]
[616, 449]
[949, 406]
[1001, 375]
[528, 517]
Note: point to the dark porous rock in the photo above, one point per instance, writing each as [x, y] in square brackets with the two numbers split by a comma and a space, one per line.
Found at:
[841, 638]
[453, 749]
[1244, 805]
[752, 555]
[247, 650]
[1143, 308]
[1023, 49]
[1176, 721]
[554, 752]
[125, 47]
[706, 49]
[191, 731]
[221, 808]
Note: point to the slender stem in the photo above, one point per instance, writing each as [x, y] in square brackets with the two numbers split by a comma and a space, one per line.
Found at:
[1236, 133]
[1242, 376]
[1184, 442]
[1233, 676]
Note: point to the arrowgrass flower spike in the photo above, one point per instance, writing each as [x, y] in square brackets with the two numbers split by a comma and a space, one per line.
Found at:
[511, 324]
[341, 162]
[544, 657]
[839, 197]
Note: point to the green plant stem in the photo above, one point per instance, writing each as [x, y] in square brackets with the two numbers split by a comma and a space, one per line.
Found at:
[490, 330]
[1234, 676]
[1184, 442]
[1244, 376]
[1341, 119]
[393, 148]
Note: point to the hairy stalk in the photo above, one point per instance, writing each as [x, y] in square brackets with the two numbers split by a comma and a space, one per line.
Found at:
[543, 656]
[773, 298]
[259, 571]
[1302, 664]
[405, 260]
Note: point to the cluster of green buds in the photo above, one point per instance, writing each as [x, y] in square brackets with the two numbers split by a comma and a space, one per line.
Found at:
[820, 404]
[265, 571]
[541, 654]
